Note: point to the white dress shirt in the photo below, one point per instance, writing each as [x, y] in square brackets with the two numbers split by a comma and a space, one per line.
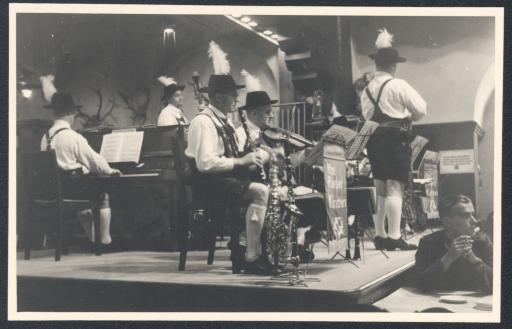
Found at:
[171, 116]
[73, 151]
[399, 99]
[205, 145]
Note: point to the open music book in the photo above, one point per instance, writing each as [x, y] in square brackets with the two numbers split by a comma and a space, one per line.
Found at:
[353, 142]
[122, 146]
[417, 146]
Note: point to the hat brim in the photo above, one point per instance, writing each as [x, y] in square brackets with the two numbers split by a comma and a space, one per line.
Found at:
[246, 107]
[394, 60]
[205, 89]
[179, 87]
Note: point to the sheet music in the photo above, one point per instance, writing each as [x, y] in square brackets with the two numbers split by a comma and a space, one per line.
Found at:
[339, 135]
[417, 145]
[111, 147]
[122, 146]
[356, 146]
[132, 145]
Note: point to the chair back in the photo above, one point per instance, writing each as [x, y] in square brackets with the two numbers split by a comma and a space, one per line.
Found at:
[40, 175]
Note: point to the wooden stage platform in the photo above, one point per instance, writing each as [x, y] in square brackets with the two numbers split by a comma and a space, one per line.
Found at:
[150, 281]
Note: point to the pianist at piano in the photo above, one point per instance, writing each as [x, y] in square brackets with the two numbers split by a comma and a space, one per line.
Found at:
[76, 157]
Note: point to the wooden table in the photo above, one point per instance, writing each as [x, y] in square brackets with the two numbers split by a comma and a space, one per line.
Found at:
[411, 300]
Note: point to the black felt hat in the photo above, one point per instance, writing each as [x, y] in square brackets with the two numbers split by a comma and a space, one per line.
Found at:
[221, 84]
[62, 103]
[387, 56]
[256, 99]
[171, 89]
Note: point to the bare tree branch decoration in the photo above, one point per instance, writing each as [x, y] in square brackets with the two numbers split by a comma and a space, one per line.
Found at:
[138, 108]
[97, 118]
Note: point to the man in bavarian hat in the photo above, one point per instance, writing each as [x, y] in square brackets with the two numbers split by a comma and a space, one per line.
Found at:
[221, 173]
[74, 157]
[172, 113]
[459, 257]
[392, 103]
[258, 107]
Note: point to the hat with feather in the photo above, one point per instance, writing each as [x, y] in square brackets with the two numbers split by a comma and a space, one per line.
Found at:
[386, 54]
[220, 81]
[255, 98]
[170, 86]
[61, 103]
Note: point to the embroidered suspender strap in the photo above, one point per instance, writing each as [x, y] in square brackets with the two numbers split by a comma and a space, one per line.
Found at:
[378, 115]
[229, 140]
[50, 138]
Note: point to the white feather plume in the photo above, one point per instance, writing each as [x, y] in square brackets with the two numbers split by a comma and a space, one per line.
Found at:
[251, 82]
[167, 81]
[48, 87]
[384, 39]
[219, 59]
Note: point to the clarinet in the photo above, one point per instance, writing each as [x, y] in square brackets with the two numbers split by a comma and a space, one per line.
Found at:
[250, 144]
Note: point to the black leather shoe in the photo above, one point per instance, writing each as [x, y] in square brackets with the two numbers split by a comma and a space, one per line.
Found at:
[258, 267]
[305, 255]
[380, 243]
[400, 243]
[237, 258]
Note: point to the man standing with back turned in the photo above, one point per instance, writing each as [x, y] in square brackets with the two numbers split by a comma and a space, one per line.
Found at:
[392, 103]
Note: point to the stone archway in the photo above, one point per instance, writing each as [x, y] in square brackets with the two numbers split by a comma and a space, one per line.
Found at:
[484, 115]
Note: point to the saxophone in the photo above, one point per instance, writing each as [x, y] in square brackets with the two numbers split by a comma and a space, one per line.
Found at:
[281, 218]
[276, 238]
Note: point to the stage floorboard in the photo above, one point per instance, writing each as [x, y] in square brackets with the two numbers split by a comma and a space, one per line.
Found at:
[150, 281]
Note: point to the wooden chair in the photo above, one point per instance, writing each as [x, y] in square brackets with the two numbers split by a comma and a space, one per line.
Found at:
[213, 217]
[41, 181]
[193, 210]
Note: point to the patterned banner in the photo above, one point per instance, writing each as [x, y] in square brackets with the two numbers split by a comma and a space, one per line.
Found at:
[335, 195]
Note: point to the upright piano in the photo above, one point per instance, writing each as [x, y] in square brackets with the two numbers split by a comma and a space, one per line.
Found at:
[161, 166]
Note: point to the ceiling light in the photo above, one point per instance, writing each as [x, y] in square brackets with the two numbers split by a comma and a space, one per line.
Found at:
[26, 93]
[245, 19]
[236, 15]
[274, 36]
[253, 24]
[267, 32]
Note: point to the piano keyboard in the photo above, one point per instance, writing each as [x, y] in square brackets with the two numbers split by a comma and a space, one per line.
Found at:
[151, 174]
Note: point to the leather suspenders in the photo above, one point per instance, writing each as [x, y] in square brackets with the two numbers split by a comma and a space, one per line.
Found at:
[378, 115]
[50, 138]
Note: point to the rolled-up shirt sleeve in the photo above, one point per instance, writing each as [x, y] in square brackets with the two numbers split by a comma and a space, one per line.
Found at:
[204, 147]
[87, 157]
[413, 101]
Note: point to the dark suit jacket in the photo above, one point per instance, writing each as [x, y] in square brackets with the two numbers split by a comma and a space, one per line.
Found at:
[462, 274]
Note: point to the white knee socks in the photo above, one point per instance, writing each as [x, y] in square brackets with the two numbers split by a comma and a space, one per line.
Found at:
[105, 215]
[379, 217]
[254, 219]
[394, 214]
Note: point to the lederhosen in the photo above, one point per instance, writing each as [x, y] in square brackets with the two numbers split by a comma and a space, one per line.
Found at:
[225, 187]
[82, 190]
[388, 148]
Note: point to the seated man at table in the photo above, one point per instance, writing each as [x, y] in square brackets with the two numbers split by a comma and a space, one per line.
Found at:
[75, 156]
[458, 257]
